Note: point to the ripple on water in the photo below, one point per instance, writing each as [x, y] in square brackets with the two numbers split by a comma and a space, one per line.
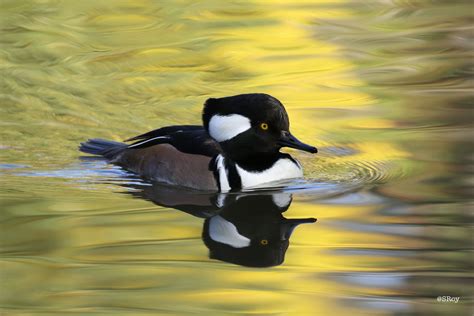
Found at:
[12, 166]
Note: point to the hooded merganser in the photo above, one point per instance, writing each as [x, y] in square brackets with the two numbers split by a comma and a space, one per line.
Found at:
[251, 231]
[238, 147]
[247, 229]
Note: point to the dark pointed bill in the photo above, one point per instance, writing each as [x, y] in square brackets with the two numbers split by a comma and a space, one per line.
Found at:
[289, 225]
[288, 140]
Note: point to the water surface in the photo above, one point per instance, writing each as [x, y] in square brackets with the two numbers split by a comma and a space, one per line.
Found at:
[384, 90]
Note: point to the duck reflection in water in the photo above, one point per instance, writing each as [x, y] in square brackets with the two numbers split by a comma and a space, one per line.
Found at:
[247, 229]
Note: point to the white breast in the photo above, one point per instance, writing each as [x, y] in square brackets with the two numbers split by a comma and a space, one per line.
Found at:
[282, 169]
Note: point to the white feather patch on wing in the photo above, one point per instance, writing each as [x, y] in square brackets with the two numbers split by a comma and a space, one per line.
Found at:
[225, 127]
[225, 232]
[147, 140]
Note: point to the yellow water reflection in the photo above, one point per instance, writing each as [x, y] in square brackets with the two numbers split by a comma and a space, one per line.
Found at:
[381, 88]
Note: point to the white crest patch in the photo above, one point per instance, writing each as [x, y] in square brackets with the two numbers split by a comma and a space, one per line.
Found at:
[225, 232]
[282, 169]
[225, 127]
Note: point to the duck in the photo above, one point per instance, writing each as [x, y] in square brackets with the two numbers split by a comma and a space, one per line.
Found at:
[237, 147]
[242, 228]
[250, 230]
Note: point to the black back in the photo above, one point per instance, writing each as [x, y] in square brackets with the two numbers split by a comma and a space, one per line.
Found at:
[190, 139]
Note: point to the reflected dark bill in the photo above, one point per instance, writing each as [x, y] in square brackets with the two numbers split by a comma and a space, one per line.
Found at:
[246, 229]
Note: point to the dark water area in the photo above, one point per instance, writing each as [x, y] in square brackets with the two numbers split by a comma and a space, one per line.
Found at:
[382, 88]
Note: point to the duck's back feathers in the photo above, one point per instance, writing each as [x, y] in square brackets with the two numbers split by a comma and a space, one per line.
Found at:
[102, 147]
[167, 164]
[164, 131]
[178, 155]
[190, 139]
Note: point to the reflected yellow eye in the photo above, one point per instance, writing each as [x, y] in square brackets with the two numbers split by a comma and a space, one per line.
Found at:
[263, 242]
[264, 126]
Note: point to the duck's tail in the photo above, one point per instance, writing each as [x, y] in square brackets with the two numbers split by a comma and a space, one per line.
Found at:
[101, 147]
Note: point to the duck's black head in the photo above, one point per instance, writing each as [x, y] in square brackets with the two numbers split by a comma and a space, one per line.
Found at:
[250, 229]
[250, 124]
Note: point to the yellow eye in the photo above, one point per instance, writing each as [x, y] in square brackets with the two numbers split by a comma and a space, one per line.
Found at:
[264, 126]
[263, 242]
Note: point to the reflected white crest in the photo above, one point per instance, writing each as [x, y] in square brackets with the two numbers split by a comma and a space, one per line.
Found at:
[225, 232]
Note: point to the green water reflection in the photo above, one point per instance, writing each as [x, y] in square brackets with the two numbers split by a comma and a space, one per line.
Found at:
[383, 89]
